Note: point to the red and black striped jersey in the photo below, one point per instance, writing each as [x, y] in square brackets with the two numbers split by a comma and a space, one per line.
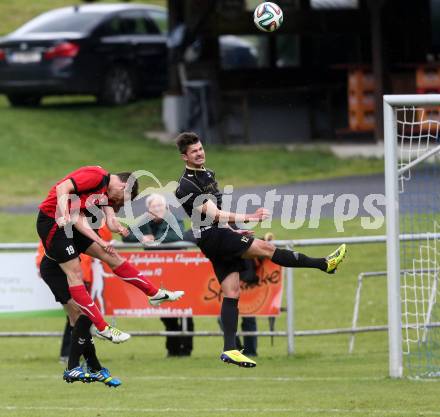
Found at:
[87, 181]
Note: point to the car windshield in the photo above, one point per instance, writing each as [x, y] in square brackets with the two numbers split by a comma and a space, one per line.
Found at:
[161, 20]
[65, 20]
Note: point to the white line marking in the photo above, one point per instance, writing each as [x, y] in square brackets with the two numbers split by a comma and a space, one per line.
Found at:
[229, 378]
[246, 378]
[301, 411]
[256, 378]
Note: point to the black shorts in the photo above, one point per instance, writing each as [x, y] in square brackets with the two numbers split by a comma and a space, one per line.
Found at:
[224, 249]
[56, 279]
[56, 244]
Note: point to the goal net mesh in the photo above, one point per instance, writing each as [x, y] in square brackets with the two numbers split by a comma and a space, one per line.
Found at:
[419, 206]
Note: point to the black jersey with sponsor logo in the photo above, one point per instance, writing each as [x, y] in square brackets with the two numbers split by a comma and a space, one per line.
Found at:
[195, 187]
[221, 245]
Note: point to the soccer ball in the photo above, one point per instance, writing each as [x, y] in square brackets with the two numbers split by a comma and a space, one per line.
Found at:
[268, 16]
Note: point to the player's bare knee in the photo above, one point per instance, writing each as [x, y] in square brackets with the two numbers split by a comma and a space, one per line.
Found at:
[264, 249]
[233, 292]
[73, 311]
[231, 287]
[114, 261]
[73, 317]
[75, 277]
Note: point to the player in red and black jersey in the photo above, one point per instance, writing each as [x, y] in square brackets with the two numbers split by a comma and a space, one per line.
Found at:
[66, 224]
[227, 247]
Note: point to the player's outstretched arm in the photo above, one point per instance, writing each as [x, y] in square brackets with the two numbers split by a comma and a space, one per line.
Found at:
[221, 216]
[63, 191]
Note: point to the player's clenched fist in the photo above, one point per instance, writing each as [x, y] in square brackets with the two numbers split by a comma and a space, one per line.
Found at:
[259, 215]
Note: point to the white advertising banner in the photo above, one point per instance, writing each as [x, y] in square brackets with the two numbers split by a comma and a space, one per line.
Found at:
[21, 289]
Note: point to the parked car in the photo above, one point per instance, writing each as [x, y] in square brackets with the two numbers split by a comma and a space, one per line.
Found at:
[114, 51]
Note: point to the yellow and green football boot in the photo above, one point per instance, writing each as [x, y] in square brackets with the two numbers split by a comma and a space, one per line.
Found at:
[237, 358]
[335, 258]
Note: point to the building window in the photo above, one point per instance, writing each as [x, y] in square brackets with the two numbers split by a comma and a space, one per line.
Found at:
[334, 4]
[253, 51]
[239, 52]
[284, 4]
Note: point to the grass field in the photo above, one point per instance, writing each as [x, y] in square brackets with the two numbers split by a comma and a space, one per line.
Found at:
[39, 146]
[46, 143]
[321, 379]
[15, 13]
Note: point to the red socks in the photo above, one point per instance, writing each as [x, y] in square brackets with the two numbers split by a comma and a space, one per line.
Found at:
[131, 275]
[88, 307]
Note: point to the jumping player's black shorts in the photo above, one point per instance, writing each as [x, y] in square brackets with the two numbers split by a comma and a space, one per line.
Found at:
[224, 249]
[56, 244]
[56, 279]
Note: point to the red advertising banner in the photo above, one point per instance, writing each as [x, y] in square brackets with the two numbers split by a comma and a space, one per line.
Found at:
[183, 270]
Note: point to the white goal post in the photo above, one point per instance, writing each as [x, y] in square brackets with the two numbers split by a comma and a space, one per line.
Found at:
[411, 138]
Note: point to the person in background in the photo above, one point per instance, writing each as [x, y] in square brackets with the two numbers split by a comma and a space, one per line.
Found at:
[158, 230]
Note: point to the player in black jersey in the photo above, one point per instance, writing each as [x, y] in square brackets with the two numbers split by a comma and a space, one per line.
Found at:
[227, 247]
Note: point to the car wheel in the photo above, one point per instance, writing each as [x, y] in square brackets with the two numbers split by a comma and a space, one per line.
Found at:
[19, 100]
[119, 86]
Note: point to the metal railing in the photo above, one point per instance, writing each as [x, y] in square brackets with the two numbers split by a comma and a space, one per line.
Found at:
[357, 300]
[290, 332]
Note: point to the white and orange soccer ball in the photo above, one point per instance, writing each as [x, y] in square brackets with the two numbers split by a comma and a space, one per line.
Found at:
[268, 16]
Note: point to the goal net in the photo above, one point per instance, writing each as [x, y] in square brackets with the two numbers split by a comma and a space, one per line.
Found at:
[412, 161]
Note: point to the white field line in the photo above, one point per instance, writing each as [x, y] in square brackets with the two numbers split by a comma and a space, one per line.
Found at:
[239, 379]
[223, 378]
[226, 410]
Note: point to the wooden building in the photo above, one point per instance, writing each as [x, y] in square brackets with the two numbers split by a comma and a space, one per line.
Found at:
[320, 76]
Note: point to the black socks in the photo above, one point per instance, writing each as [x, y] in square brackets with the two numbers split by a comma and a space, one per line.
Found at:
[67, 339]
[82, 344]
[229, 317]
[292, 259]
[89, 347]
[76, 346]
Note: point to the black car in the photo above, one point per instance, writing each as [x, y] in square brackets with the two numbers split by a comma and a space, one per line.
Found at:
[114, 51]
